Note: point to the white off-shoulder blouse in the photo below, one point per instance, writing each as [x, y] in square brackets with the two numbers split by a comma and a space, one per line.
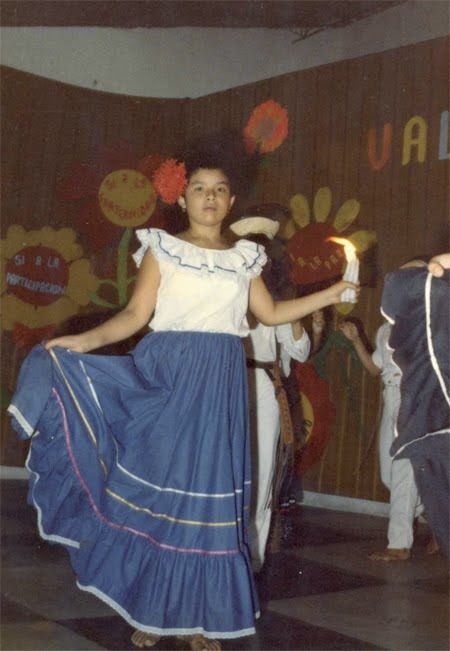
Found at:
[204, 290]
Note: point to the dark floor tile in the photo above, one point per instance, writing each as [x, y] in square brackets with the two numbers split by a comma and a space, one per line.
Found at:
[285, 576]
[274, 633]
[114, 634]
[435, 584]
[21, 544]
[14, 506]
[23, 551]
[16, 488]
[24, 535]
[279, 633]
[13, 613]
[19, 511]
[296, 531]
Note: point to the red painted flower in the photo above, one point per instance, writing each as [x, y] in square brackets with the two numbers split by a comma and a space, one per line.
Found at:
[170, 180]
[267, 128]
[313, 257]
[84, 182]
[319, 415]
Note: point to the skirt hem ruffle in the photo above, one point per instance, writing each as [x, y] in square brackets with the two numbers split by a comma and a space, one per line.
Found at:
[198, 630]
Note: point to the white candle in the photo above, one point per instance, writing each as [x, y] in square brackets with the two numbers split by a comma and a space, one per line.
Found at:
[351, 273]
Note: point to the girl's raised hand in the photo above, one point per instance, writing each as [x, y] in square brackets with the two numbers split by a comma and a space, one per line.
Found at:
[438, 264]
[337, 289]
[76, 343]
[318, 322]
[349, 330]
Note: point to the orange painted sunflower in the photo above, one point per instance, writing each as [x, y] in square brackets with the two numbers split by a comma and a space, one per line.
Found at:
[267, 128]
[313, 257]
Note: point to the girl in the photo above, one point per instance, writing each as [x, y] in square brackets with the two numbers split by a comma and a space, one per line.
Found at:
[396, 475]
[140, 464]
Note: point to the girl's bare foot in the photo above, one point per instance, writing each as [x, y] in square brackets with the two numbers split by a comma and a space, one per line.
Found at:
[432, 546]
[201, 643]
[144, 640]
[391, 554]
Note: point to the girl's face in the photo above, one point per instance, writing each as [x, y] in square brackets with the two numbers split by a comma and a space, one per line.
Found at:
[208, 198]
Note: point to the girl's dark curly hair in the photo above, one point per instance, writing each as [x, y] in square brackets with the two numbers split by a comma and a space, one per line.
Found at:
[222, 150]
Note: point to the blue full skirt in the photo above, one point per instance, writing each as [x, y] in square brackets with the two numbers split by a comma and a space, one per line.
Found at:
[140, 466]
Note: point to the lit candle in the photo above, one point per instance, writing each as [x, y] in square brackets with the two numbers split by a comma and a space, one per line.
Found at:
[351, 272]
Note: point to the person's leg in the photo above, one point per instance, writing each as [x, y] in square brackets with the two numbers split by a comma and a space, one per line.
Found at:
[432, 546]
[403, 508]
[403, 505]
[391, 404]
[265, 425]
[431, 463]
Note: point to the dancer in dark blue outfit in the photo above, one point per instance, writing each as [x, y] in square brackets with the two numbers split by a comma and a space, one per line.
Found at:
[140, 463]
[416, 302]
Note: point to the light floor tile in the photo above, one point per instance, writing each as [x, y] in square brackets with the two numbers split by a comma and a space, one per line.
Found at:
[52, 594]
[43, 636]
[419, 567]
[390, 616]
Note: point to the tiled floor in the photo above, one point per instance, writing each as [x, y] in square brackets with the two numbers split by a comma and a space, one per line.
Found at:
[321, 592]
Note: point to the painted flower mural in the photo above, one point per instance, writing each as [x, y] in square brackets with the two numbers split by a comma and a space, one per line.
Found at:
[319, 415]
[44, 280]
[267, 128]
[83, 182]
[315, 261]
[118, 195]
[97, 185]
[127, 198]
[313, 257]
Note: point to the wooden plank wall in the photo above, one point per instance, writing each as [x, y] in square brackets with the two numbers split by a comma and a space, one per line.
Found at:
[331, 110]
[46, 128]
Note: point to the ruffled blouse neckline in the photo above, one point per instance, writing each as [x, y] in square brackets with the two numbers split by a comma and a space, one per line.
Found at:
[244, 257]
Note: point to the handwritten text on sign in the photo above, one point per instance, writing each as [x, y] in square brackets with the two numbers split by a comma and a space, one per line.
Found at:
[37, 275]
[127, 198]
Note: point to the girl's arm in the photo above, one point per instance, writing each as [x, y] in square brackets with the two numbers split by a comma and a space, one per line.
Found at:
[271, 312]
[128, 321]
[438, 264]
[297, 330]
[350, 331]
[294, 342]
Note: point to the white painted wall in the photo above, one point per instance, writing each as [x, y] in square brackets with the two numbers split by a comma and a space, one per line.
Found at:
[191, 62]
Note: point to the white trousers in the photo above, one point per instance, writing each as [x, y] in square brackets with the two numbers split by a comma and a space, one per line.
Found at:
[265, 429]
[398, 477]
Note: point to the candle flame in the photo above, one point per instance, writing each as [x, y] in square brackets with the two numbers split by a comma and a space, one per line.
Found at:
[349, 248]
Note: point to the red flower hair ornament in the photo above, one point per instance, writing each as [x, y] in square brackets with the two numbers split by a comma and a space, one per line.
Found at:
[170, 180]
[267, 128]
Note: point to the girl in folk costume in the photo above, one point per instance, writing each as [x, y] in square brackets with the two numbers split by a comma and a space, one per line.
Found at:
[140, 464]
[269, 351]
